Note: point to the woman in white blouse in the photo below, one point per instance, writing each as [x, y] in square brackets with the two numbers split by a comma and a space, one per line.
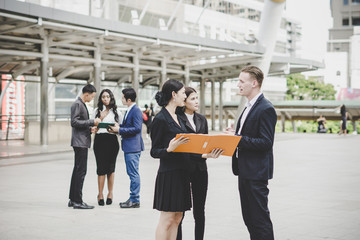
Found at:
[106, 145]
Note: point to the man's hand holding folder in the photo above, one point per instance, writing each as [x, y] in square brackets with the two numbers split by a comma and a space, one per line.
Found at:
[204, 144]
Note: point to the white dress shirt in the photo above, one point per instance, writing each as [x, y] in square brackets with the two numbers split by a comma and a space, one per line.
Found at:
[128, 110]
[191, 121]
[110, 118]
[248, 107]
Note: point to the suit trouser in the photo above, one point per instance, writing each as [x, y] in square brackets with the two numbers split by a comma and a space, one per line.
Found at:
[255, 211]
[199, 186]
[78, 175]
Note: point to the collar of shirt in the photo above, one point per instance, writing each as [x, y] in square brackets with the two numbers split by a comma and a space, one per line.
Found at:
[191, 120]
[253, 100]
[248, 106]
[128, 110]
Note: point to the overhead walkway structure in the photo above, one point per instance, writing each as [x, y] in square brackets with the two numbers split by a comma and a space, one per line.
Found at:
[304, 110]
[46, 42]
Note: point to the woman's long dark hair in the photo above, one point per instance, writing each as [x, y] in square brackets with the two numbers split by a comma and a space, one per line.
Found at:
[164, 96]
[112, 104]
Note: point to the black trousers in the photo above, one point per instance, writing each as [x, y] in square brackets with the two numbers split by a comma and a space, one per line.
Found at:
[78, 175]
[255, 211]
[199, 186]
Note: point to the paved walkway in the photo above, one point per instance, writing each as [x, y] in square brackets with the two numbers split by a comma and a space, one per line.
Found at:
[314, 194]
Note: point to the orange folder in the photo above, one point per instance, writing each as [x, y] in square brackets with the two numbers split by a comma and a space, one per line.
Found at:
[204, 143]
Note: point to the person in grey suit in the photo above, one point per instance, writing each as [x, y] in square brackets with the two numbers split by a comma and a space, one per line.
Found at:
[80, 141]
[253, 160]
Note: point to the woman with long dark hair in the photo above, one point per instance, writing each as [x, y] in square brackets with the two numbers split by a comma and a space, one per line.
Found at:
[344, 115]
[196, 123]
[172, 187]
[106, 145]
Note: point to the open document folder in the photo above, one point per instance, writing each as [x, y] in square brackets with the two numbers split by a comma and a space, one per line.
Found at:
[203, 143]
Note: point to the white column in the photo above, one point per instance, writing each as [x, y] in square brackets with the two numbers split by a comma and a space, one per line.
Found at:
[202, 96]
[96, 75]
[44, 86]
[136, 73]
[221, 110]
[268, 29]
[212, 104]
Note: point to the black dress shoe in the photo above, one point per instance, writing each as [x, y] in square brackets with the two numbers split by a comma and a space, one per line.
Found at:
[108, 201]
[101, 202]
[130, 204]
[70, 203]
[82, 206]
[127, 201]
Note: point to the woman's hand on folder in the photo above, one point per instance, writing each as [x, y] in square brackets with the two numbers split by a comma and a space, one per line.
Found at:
[215, 153]
[174, 143]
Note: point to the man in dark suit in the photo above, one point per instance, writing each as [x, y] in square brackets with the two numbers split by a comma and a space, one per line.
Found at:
[253, 160]
[80, 141]
[132, 144]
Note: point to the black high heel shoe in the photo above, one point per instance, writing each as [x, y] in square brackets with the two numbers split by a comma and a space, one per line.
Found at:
[101, 202]
[108, 201]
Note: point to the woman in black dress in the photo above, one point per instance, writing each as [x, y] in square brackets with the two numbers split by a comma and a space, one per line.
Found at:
[106, 145]
[343, 119]
[196, 123]
[172, 188]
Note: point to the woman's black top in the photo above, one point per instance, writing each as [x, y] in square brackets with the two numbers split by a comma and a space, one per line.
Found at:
[201, 127]
[164, 128]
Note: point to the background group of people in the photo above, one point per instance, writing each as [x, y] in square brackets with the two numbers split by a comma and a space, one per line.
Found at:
[106, 145]
[182, 178]
[322, 121]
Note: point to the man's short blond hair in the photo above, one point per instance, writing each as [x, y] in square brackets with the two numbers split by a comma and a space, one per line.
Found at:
[254, 72]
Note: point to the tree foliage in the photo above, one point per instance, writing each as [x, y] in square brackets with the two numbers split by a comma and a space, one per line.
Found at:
[300, 88]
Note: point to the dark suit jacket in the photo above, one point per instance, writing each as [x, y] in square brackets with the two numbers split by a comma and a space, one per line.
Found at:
[80, 123]
[130, 131]
[196, 161]
[253, 158]
[163, 129]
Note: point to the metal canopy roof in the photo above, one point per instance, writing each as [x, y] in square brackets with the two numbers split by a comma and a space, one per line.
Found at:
[76, 42]
[305, 110]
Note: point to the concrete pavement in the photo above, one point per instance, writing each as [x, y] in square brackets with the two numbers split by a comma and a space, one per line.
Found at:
[314, 194]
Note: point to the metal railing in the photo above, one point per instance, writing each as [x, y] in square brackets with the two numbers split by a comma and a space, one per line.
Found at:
[12, 127]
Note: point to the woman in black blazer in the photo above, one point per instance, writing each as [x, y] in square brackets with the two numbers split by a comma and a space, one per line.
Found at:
[196, 123]
[172, 188]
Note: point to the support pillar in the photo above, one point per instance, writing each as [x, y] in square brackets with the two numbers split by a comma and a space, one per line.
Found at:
[97, 73]
[354, 125]
[187, 75]
[44, 88]
[268, 29]
[212, 104]
[202, 97]
[221, 110]
[282, 122]
[163, 73]
[293, 122]
[135, 75]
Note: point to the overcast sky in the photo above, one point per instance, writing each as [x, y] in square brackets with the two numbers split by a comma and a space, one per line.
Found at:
[315, 16]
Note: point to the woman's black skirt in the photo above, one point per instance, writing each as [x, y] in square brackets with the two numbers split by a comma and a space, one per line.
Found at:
[106, 149]
[172, 191]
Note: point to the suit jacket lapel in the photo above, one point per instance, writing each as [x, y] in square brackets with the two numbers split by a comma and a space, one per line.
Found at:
[197, 122]
[171, 120]
[128, 114]
[238, 123]
[253, 107]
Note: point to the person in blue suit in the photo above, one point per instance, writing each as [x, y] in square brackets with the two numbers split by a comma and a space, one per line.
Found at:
[253, 160]
[132, 144]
